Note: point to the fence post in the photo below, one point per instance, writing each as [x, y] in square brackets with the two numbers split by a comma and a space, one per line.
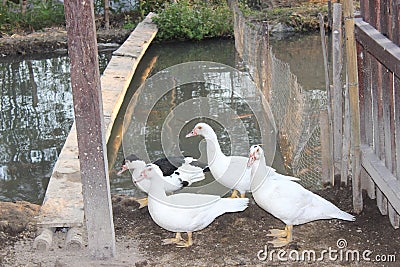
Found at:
[86, 89]
[326, 119]
[346, 137]
[352, 72]
[337, 96]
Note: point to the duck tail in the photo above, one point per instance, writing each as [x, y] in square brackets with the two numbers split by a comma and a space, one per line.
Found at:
[345, 216]
[235, 204]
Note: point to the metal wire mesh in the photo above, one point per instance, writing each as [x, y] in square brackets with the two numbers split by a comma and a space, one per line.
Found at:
[296, 111]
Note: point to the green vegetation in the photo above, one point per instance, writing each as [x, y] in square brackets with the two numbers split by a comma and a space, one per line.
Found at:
[39, 15]
[194, 20]
[185, 19]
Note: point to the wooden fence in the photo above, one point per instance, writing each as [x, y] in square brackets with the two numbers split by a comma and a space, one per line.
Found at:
[377, 36]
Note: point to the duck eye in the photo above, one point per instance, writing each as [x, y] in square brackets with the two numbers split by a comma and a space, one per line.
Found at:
[199, 127]
[177, 173]
[258, 150]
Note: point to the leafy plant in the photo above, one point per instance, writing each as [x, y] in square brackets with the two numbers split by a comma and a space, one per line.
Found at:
[39, 14]
[194, 20]
[128, 23]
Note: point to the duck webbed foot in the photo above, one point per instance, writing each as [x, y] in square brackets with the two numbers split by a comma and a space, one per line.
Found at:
[185, 244]
[279, 242]
[282, 237]
[143, 202]
[176, 240]
[235, 194]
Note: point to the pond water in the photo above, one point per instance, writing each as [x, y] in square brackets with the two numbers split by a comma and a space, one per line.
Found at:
[37, 111]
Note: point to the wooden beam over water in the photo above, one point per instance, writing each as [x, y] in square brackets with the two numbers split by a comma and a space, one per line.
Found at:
[63, 203]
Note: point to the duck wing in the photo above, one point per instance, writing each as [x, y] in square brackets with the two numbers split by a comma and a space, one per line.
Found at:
[171, 164]
[294, 204]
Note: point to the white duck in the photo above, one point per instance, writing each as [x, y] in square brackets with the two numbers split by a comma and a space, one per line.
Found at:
[184, 212]
[175, 177]
[230, 171]
[286, 199]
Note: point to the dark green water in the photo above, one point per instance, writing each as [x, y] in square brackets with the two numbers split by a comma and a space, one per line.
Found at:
[36, 112]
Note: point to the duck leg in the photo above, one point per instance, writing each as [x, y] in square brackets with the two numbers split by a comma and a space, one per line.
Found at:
[143, 202]
[283, 237]
[235, 194]
[186, 244]
[178, 238]
[278, 232]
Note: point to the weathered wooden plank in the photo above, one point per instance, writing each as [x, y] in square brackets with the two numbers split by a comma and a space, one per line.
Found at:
[396, 92]
[393, 217]
[61, 209]
[326, 153]
[396, 22]
[115, 140]
[388, 119]
[351, 59]
[375, 14]
[326, 117]
[337, 108]
[367, 184]
[384, 19]
[387, 52]
[377, 122]
[89, 121]
[64, 193]
[346, 138]
[364, 10]
[381, 201]
[384, 179]
[366, 132]
[368, 97]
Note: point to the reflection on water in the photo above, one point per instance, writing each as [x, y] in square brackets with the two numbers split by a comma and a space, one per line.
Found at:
[304, 55]
[158, 112]
[36, 110]
[36, 113]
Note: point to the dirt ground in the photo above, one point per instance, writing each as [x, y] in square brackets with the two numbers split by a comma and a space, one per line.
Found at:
[231, 240]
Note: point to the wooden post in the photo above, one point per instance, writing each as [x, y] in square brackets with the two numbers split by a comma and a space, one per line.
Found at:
[107, 14]
[266, 69]
[337, 108]
[346, 137]
[328, 139]
[86, 89]
[352, 72]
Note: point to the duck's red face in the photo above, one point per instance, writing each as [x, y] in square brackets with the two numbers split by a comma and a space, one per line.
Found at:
[124, 168]
[150, 171]
[194, 132]
[254, 155]
[144, 174]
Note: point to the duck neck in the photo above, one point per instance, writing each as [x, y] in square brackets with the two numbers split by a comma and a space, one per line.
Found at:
[139, 167]
[214, 152]
[157, 189]
[259, 173]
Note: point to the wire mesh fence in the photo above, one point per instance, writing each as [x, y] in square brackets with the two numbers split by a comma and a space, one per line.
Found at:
[296, 111]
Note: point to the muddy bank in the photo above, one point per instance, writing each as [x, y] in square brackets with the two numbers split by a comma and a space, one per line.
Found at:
[17, 222]
[51, 40]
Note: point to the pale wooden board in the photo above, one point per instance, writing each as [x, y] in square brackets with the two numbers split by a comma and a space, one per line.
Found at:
[388, 187]
[63, 203]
